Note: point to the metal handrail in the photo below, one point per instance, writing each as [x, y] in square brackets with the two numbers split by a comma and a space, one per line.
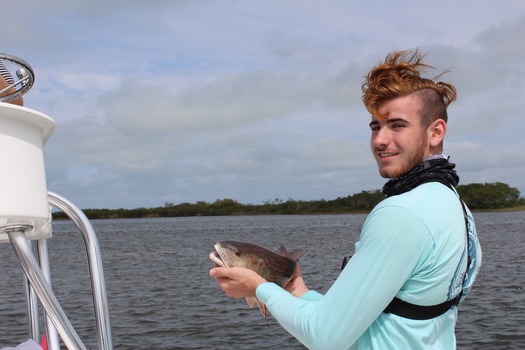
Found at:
[37, 274]
[40, 285]
[96, 271]
[43, 259]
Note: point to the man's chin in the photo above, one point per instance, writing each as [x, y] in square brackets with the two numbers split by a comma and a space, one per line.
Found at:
[390, 173]
[386, 174]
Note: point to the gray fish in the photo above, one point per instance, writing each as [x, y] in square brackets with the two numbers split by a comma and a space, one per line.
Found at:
[277, 267]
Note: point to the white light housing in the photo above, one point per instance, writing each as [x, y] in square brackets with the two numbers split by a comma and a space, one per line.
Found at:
[23, 190]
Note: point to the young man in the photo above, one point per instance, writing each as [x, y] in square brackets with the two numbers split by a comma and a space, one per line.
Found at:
[401, 287]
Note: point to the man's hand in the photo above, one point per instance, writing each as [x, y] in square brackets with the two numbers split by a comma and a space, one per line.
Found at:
[296, 286]
[237, 282]
[3, 84]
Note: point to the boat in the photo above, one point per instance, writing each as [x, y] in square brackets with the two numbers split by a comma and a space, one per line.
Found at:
[26, 220]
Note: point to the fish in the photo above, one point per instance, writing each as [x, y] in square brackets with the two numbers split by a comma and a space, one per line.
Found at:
[278, 268]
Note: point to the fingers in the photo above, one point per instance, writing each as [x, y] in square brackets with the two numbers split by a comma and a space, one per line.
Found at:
[218, 272]
[4, 84]
[230, 272]
[237, 282]
[297, 286]
[297, 272]
[229, 282]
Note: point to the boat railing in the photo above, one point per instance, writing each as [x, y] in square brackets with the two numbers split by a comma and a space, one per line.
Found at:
[38, 287]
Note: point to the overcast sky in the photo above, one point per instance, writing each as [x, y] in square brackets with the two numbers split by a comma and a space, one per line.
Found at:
[183, 101]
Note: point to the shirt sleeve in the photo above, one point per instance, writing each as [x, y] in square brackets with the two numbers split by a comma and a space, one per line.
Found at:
[392, 245]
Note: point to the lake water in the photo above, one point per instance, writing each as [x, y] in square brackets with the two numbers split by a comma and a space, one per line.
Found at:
[161, 297]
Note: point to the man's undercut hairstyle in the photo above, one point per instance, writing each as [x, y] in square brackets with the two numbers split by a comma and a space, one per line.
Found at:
[400, 75]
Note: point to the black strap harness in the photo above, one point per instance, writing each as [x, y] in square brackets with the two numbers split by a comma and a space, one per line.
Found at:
[419, 312]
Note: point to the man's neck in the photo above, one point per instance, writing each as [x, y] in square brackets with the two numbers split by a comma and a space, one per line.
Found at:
[436, 156]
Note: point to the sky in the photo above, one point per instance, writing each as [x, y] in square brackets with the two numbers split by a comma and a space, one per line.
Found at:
[177, 101]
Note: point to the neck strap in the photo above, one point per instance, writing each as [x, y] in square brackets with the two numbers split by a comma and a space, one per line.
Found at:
[429, 170]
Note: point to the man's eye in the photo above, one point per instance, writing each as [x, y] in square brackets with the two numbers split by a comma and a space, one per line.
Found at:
[374, 127]
[396, 126]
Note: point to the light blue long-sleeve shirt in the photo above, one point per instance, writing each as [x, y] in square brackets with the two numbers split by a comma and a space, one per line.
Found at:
[412, 246]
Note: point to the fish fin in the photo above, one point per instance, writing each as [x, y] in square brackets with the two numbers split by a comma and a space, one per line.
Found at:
[252, 301]
[262, 307]
[282, 251]
[294, 254]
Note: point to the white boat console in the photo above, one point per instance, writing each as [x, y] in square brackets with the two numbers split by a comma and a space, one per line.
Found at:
[25, 221]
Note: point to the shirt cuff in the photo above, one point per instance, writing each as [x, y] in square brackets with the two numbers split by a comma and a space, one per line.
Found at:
[311, 295]
[264, 290]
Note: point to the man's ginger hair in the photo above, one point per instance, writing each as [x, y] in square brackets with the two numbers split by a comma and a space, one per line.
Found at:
[400, 75]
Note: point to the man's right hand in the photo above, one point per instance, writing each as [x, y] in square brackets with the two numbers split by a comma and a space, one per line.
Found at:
[3, 84]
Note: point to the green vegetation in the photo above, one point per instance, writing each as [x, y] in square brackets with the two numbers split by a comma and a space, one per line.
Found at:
[487, 196]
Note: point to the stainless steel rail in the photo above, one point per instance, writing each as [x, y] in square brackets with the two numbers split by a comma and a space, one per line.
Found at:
[37, 274]
[98, 282]
[43, 259]
[41, 286]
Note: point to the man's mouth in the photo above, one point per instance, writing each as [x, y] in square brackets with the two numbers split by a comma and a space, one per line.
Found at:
[386, 154]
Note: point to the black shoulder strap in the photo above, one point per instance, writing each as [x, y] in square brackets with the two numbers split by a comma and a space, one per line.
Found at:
[418, 312]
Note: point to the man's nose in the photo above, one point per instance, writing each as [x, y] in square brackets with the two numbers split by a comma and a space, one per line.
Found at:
[381, 138]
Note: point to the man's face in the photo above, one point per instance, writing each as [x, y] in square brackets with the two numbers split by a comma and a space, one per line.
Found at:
[398, 140]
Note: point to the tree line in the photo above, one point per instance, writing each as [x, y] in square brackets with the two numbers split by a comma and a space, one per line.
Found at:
[478, 196]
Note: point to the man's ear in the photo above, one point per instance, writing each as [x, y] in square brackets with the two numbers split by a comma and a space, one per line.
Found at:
[436, 132]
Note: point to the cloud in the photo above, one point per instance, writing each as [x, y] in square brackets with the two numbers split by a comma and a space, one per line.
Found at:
[186, 101]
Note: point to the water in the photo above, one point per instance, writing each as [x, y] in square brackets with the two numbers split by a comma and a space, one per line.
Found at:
[161, 297]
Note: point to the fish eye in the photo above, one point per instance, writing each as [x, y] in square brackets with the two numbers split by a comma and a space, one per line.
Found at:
[237, 253]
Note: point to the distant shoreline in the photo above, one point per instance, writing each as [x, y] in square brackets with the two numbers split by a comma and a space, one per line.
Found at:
[62, 216]
[493, 197]
[519, 208]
